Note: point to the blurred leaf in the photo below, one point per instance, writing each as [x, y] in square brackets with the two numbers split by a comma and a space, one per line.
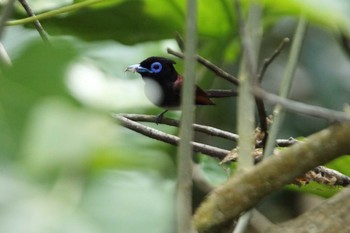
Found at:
[316, 188]
[329, 13]
[213, 171]
[130, 201]
[111, 202]
[137, 21]
[62, 137]
[37, 73]
[125, 21]
[341, 165]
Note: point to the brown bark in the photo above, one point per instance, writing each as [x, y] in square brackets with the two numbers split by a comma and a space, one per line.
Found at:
[332, 216]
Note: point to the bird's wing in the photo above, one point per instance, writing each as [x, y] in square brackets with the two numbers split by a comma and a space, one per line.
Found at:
[201, 98]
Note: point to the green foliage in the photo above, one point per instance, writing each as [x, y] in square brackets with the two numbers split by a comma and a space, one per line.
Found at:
[36, 75]
[215, 174]
[61, 158]
[321, 190]
[70, 167]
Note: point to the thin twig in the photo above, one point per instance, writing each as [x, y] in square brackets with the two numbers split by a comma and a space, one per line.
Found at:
[279, 112]
[329, 176]
[37, 23]
[301, 108]
[269, 60]
[219, 93]
[212, 131]
[259, 102]
[199, 128]
[180, 41]
[286, 142]
[171, 139]
[215, 69]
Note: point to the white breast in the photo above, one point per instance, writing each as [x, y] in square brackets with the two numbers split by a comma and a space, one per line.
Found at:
[153, 91]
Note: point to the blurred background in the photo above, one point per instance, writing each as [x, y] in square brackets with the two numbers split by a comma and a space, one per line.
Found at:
[66, 164]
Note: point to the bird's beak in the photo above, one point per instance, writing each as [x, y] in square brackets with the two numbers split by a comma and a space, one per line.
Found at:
[137, 68]
[132, 68]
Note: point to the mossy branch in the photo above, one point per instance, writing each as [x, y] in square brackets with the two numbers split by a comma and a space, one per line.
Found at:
[246, 189]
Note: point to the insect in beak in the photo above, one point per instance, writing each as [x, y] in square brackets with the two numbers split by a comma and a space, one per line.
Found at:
[132, 68]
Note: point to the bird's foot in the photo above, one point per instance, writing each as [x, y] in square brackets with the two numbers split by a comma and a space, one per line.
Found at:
[159, 118]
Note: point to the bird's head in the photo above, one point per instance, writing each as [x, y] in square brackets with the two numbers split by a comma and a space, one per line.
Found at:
[157, 68]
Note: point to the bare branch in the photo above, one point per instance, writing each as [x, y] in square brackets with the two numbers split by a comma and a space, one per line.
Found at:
[270, 59]
[171, 139]
[259, 102]
[324, 175]
[219, 93]
[301, 108]
[215, 69]
[180, 41]
[199, 128]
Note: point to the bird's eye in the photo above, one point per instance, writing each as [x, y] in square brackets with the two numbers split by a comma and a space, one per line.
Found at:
[156, 67]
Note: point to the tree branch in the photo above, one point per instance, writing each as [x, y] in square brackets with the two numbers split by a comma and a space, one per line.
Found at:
[319, 174]
[301, 108]
[269, 60]
[215, 69]
[171, 139]
[219, 93]
[332, 216]
[199, 128]
[246, 189]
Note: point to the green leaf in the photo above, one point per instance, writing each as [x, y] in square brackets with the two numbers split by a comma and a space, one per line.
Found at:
[60, 136]
[316, 188]
[137, 21]
[212, 170]
[333, 14]
[124, 21]
[38, 72]
[341, 164]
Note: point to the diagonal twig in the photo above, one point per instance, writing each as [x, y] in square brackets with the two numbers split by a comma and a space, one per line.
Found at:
[270, 59]
[37, 23]
[215, 69]
[301, 108]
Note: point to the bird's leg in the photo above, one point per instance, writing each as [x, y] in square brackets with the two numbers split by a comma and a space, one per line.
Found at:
[160, 116]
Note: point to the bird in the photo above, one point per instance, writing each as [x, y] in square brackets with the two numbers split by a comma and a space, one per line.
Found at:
[163, 84]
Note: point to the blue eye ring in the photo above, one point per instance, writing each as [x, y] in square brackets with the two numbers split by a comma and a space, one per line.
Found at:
[156, 67]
